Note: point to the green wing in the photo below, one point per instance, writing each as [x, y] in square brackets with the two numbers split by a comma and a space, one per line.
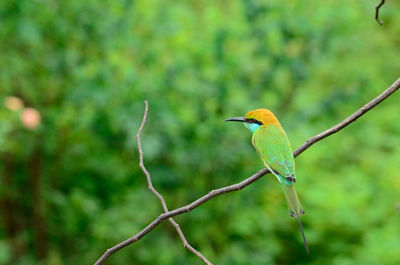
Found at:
[273, 146]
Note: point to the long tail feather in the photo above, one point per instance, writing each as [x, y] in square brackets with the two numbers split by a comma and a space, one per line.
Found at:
[295, 208]
[304, 236]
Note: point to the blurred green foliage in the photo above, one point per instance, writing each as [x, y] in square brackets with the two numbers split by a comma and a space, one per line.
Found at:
[72, 187]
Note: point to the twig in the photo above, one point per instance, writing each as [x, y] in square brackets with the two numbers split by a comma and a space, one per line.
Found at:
[159, 196]
[395, 86]
[377, 12]
[349, 119]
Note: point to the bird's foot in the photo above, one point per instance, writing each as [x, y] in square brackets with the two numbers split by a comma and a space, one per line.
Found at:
[291, 179]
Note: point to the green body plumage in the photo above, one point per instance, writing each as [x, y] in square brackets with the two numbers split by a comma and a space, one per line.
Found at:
[273, 146]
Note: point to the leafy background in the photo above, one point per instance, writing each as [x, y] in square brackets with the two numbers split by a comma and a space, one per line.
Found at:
[72, 187]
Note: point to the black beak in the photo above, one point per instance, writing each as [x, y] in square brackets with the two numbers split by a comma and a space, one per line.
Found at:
[241, 119]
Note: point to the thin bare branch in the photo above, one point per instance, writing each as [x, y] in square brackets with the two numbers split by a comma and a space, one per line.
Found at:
[377, 12]
[364, 109]
[158, 195]
[395, 86]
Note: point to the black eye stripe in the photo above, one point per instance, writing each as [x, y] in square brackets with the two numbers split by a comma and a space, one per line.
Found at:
[254, 121]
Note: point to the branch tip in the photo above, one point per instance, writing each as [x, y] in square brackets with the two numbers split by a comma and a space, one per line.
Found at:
[377, 12]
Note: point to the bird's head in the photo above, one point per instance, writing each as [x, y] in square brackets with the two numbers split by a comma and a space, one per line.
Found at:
[254, 119]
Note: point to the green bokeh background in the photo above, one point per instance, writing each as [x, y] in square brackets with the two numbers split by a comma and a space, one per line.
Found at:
[72, 187]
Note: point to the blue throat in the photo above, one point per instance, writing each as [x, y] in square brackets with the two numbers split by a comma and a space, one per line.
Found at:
[252, 126]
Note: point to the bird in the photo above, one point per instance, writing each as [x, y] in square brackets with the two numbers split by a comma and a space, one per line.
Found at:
[272, 145]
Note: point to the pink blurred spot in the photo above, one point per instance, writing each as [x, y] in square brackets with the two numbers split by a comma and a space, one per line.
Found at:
[13, 103]
[30, 118]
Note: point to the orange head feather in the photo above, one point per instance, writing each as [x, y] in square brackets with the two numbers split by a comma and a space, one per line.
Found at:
[263, 115]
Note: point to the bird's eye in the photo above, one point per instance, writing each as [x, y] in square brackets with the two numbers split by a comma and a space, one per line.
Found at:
[254, 121]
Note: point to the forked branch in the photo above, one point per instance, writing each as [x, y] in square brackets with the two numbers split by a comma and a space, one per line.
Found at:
[158, 195]
[364, 109]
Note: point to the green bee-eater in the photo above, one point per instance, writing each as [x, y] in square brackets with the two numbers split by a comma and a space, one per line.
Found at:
[273, 146]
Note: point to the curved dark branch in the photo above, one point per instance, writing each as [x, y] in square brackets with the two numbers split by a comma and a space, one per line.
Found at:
[395, 86]
[377, 12]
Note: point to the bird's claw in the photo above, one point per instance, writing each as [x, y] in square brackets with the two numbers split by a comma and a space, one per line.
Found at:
[291, 179]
